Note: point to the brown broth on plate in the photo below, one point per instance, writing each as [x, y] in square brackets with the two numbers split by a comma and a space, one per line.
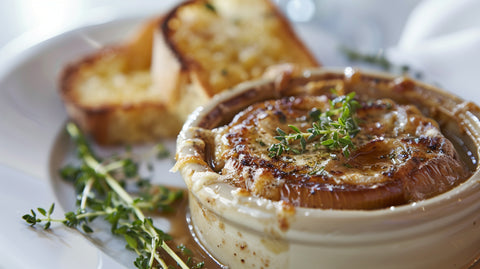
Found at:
[182, 234]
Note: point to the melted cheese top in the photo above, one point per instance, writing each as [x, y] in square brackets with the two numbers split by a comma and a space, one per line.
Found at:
[400, 156]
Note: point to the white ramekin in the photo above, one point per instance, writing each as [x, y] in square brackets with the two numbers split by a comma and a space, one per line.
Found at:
[250, 232]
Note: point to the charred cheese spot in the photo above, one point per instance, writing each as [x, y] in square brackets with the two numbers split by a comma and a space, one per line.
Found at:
[400, 156]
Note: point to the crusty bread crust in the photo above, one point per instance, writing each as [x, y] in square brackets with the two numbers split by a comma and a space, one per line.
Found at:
[108, 93]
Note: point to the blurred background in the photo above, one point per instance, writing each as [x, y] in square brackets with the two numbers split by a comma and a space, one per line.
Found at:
[437, 39]
[366, 24]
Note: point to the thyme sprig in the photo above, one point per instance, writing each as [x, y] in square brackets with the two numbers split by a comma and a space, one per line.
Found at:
[102, 195]
[333, 128]
[379, 60]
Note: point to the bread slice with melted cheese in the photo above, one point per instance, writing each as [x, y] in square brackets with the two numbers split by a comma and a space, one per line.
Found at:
[144, 89]
[205, 47]
[110, 95]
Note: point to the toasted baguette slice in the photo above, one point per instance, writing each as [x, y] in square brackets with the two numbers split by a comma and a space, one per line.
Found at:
[109, 93]
[204, 47]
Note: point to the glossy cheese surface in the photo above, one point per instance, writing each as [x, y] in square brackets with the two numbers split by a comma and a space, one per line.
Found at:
[400, 156]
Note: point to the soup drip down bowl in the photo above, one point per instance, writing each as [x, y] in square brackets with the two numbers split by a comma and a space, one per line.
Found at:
[245, 230]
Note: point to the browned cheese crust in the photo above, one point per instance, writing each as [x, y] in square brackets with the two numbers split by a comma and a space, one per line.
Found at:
[400, 156]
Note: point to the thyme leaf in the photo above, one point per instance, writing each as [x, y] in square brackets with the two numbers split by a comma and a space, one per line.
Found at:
[333, 128]
[379, 60]
[375, 59]
[100, 194]
[210, 7]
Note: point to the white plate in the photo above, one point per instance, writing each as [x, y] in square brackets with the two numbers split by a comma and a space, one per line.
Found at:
[32, 115]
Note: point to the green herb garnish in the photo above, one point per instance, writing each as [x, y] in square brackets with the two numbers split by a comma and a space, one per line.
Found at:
[210, 7]
[379, 60]
[374, 59]
[101, 195]
[162, 151]
[333, 128]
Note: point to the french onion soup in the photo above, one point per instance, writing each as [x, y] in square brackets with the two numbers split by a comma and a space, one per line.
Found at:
[397, 155]
[336, 149]
[289, 166]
